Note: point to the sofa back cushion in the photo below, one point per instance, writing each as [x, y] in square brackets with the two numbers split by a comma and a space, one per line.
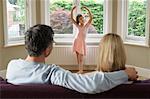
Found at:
[1, 79]
[138, 89]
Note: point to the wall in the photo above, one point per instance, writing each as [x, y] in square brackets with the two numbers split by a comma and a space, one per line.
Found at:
[136, 55]
[1, 34]
[64, 55]
[38, 6]
[114, 16]
[149, 58]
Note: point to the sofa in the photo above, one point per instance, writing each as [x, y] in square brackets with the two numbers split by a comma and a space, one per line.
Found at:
[138, 89]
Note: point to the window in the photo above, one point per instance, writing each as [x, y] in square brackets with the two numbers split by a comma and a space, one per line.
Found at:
[56, 13]
[133, 21]
[137, 17]
[17, 19]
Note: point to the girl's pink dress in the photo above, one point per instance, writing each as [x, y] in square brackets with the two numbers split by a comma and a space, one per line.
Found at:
[79, 42]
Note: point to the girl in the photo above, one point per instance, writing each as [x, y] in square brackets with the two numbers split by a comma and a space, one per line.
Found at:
[112, 55]
[79, 45]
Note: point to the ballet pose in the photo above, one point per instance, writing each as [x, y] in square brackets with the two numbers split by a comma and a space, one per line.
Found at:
[79, 46]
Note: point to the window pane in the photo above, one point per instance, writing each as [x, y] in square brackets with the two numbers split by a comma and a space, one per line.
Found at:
[97, 10]
[137, 17]
[60, 16]
[16, 18]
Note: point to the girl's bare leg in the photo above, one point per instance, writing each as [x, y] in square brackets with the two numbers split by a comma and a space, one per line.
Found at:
[80, 59]
[77, 57]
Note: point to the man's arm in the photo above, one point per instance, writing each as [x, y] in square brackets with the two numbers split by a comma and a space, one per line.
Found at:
[95, 82]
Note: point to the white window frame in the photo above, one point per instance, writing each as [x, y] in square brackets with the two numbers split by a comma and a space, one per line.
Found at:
[68, 38]
[30, 21]
[122, 25]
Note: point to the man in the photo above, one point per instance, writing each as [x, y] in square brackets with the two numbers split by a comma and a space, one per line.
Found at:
[39, 44]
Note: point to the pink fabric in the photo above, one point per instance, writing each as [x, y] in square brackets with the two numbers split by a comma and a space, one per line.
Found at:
[79, 42]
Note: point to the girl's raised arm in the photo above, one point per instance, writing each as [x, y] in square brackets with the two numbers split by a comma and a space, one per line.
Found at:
[90, 15]
[72, 16]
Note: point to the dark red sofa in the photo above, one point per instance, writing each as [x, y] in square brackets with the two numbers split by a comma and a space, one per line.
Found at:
[139, 89]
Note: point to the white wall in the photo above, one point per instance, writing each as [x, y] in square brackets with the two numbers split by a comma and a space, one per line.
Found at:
[138, 56]
[1, 34]
[64, 55]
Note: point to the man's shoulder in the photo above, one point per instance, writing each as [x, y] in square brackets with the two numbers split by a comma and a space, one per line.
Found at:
[15, 60]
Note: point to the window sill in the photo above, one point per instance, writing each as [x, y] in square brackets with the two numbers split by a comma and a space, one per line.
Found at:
[69, 42]
[14, 43]
[139, 44]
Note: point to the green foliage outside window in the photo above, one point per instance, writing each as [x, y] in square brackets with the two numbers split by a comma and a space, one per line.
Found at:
[21, 9]
[95, 8]
[61, 4]
[97, 12]
[137, 18]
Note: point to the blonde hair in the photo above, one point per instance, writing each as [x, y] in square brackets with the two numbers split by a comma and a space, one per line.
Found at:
[112, 55]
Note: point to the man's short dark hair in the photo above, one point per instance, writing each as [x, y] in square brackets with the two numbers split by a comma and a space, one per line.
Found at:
[38, 38]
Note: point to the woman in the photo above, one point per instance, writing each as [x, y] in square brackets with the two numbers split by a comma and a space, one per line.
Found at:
[112, 56]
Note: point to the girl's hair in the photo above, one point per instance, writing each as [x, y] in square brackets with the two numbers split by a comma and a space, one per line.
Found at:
[112, 55]
[77, 18]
